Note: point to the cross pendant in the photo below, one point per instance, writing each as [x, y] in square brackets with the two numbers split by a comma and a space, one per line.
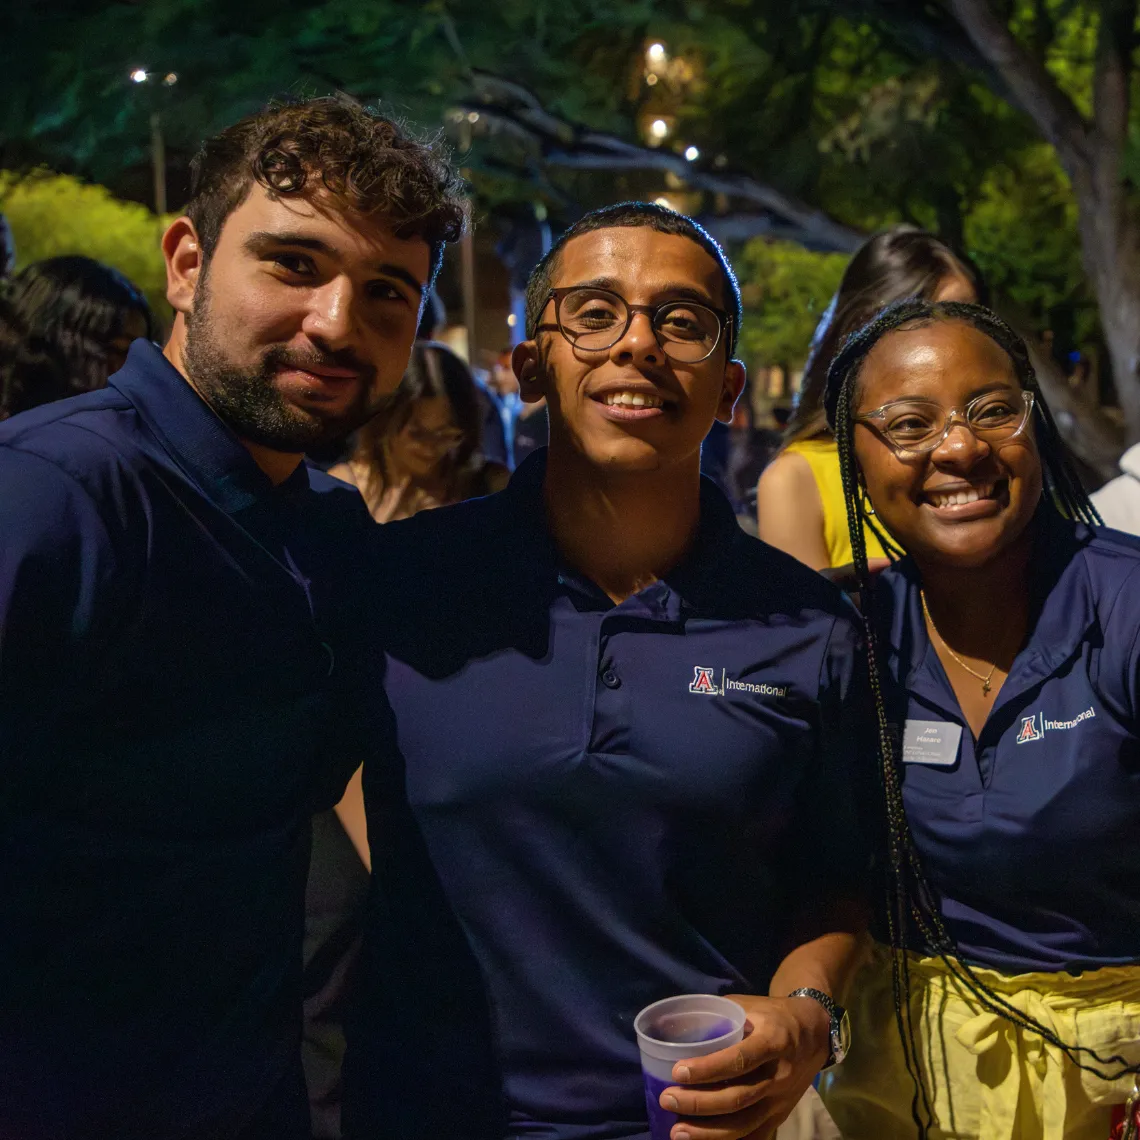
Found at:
[985, 688]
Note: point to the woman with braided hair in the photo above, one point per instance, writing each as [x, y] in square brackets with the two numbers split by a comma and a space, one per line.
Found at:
[1005, 658]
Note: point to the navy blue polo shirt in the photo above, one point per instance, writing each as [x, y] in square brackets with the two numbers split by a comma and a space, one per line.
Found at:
[1030, 831]
[169, 720]
[593, 806]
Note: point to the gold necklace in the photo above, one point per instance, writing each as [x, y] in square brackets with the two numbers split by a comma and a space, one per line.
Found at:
[985, 680]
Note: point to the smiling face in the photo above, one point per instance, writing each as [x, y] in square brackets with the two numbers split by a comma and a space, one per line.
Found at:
[967, 501]
[631, 407]
[301, 323]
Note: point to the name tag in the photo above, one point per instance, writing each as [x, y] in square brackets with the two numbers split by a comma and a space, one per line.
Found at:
[931, 742]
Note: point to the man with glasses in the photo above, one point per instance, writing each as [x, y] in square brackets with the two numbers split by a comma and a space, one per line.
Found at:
[625, 740]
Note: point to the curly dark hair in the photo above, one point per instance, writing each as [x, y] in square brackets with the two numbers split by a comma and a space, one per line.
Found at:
[58, 319]
[368, 163]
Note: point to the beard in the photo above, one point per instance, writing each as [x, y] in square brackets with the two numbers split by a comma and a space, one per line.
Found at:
[247, 399]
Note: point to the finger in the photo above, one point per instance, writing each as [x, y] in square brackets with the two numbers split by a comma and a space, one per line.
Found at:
[720, 1100]
[763, 1044]
[747, 1122]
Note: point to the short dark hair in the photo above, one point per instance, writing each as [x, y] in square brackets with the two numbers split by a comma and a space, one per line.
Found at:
[367, 162]
[651, 216]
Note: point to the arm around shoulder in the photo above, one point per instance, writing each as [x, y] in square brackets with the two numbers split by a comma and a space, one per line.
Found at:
[790, 511]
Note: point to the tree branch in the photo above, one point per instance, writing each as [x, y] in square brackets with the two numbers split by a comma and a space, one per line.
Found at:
[1032, 86]
[1112, 79]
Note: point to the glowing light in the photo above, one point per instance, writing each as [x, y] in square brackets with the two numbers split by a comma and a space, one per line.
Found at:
[139, 75]
[171, 78]
[692, 154]
[659, 128]
[473, 116]
[651, 80]
[512, 320]
[655, 53]
[663, 201]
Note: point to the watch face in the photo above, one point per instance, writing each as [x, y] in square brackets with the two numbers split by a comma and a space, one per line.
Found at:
[840, 1036]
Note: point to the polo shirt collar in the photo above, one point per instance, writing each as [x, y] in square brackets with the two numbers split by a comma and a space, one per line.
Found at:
[1062, 611]
[196, 439]
[695, 585]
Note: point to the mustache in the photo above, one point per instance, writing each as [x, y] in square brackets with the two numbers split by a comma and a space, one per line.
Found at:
[282, 357]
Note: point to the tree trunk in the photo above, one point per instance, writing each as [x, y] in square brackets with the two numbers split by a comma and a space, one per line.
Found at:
[1090, 150]
[1110, 250]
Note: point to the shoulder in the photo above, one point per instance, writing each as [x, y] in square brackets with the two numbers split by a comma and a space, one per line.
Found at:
[83, 436]
[789, 471]
[1112, 561]
[72, 451]
[770, 582]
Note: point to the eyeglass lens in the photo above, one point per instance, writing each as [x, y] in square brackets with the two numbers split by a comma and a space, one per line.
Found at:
[596, 319]
[920, 426]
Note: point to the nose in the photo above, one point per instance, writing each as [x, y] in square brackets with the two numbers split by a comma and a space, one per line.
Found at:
[639, 344]
[330, 319]
[960, 448]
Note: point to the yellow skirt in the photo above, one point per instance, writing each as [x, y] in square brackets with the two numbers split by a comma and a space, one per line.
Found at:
[986, 1079]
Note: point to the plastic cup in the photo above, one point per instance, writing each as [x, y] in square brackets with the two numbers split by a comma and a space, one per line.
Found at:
[668, 1031]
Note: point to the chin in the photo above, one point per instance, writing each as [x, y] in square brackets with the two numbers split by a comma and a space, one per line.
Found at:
[969, 550]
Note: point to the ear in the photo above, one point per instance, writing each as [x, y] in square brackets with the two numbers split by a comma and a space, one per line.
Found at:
[528, 371]
[183, 254]
[735, 377]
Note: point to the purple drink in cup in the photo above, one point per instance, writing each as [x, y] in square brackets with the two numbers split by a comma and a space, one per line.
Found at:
[668, 1031]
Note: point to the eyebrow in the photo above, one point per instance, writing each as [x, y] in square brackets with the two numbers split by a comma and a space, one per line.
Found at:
[665, 292]
[262, 239]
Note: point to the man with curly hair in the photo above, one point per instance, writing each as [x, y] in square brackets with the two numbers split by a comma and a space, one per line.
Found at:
[175, 642]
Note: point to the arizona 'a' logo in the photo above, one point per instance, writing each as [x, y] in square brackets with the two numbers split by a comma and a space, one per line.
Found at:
[703, 682]
[1031, 728]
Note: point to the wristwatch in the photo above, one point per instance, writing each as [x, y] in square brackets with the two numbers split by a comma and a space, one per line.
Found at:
[840, 1024]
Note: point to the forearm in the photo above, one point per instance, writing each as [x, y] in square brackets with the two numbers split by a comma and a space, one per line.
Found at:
[826, 960]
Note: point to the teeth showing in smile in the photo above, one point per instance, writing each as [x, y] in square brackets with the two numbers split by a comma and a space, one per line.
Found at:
[632, 400]
[960, 498]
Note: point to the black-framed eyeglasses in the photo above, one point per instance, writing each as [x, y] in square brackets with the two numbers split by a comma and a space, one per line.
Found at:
[917, 427]
[596, 319]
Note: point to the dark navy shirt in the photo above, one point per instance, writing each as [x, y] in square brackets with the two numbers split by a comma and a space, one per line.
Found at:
[594, 806]
[1032, 832]
[168, 723]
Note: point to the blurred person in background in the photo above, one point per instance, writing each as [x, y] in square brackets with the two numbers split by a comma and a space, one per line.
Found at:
[423, 450]
[502, 406]
[65, 326]
[736, 465]
[7, 248]
[1118, 501]
[799, 501]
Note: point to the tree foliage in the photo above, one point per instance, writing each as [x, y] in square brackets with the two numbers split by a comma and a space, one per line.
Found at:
[786, 290]
[53, 215]
[873, 111]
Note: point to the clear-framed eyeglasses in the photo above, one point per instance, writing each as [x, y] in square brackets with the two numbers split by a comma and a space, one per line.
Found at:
[594, 320]
[916, 427]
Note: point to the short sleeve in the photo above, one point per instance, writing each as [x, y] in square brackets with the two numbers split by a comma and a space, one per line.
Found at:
[837, 798]
[56, 558]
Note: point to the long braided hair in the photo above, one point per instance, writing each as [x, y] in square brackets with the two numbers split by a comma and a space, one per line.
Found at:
[910, 896]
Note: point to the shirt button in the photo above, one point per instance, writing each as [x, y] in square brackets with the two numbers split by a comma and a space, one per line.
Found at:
[610, 679]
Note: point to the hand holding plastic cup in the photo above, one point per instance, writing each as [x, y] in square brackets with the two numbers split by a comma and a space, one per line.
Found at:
[668, 1031]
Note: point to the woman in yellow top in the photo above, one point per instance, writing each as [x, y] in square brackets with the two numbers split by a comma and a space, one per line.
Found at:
[799, 499]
